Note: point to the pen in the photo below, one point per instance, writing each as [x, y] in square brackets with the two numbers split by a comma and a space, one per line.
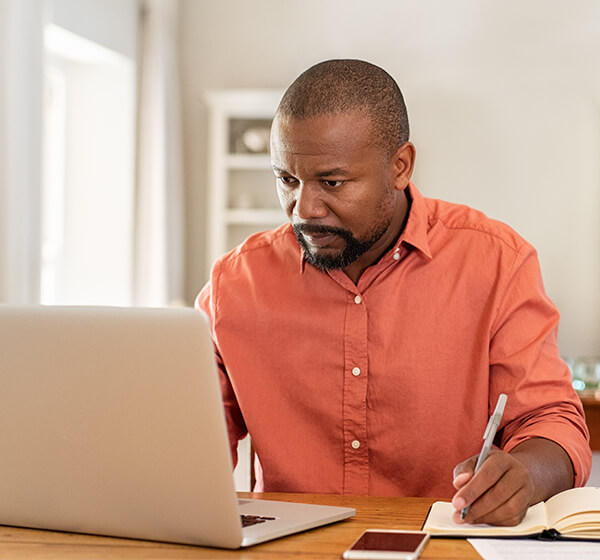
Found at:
[488, 439]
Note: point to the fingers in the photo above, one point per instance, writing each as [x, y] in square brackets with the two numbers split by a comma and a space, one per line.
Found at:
[460, 480]
[463, 472]
[499, 494]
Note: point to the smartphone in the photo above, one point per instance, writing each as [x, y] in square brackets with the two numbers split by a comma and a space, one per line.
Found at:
[384, 544]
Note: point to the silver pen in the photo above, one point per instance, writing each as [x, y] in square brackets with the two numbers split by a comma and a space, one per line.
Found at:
[488, 439]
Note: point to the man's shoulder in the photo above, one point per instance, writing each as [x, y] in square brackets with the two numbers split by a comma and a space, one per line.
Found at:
[260, 247]
[462, 218]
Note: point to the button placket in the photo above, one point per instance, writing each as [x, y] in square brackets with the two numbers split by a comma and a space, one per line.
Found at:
[356, 460]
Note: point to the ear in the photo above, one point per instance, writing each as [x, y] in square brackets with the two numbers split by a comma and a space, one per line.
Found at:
[403, 162]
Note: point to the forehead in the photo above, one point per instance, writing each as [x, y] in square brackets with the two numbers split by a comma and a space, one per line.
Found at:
[343, 134]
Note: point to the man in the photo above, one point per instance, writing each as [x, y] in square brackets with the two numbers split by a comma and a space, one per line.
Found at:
[364, 345]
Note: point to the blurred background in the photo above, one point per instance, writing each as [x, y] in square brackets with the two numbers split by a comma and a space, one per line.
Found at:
[105, 130]
[118, 126]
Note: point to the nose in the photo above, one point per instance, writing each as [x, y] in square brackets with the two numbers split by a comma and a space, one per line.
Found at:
[308, 202]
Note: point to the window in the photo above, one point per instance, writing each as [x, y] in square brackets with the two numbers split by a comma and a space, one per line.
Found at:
[88, 173]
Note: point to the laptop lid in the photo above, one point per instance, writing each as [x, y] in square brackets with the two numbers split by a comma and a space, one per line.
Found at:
[112, 423]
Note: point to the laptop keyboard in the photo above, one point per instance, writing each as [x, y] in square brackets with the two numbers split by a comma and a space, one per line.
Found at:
[248, 520]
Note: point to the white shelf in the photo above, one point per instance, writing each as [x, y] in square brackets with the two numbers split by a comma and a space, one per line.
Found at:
[239, 176]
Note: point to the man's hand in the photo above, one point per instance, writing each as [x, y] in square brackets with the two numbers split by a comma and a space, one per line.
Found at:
[499, 494]
[507, 484]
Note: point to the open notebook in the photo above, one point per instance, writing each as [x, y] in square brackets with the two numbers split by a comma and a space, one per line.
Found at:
[572, 514]
[111, 422]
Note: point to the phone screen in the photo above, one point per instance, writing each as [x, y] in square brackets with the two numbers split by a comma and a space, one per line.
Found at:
[390, 544]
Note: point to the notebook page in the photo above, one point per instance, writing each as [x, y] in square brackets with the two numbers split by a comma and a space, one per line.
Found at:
[571, 501]
[440, 521]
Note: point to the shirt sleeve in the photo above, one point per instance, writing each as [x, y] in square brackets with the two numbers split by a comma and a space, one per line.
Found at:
[236, 427]
[525, 363]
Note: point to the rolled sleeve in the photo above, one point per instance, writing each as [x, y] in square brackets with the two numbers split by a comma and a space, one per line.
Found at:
[525, 362]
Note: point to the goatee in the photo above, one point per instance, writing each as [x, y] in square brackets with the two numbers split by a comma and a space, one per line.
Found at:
[354, 248]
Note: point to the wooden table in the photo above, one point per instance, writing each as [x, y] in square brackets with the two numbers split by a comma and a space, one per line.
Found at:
[322, 543]
[591, 405]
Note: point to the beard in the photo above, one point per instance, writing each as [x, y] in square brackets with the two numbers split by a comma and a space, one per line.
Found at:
[353, 249]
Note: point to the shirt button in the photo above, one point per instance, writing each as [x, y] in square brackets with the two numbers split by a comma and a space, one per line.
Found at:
[355, 444]
[356, 371]
[357, 299]
[396, 256]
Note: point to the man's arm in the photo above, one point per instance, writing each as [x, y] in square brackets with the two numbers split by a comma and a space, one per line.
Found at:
[236, 426]
[508, 483]
[543, 437]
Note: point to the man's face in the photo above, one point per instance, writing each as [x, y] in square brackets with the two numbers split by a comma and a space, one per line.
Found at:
[340, 191]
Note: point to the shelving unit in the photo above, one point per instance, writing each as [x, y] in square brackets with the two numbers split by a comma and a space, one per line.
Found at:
[242, 195]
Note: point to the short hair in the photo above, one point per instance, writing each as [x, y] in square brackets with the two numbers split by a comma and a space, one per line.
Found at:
[339, 86]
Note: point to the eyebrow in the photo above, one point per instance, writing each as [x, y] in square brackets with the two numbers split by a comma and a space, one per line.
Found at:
[337, 171]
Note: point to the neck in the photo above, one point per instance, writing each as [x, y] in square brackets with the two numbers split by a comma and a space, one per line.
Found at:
[355, 270]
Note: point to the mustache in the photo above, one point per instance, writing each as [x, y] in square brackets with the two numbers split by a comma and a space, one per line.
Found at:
[309, 229]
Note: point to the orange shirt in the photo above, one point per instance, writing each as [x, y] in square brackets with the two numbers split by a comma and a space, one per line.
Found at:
[383, 387]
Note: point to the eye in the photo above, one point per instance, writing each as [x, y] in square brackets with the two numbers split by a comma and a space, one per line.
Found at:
[333, 184]
[287, 181]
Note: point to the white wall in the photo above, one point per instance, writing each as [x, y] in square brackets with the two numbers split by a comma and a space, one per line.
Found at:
[504, 101]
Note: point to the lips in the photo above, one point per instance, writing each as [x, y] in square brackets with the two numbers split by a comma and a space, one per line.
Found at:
[319, 239]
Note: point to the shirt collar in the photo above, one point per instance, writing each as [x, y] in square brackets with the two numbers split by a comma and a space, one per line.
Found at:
[417, 226]
[415, 231]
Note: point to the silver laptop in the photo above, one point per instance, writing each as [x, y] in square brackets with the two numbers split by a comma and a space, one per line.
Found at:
[111, 423]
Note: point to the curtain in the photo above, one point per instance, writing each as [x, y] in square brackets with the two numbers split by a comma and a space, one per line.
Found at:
[159, 257]
[21, 55]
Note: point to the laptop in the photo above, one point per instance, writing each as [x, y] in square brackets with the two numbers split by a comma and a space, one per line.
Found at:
[112, 423]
